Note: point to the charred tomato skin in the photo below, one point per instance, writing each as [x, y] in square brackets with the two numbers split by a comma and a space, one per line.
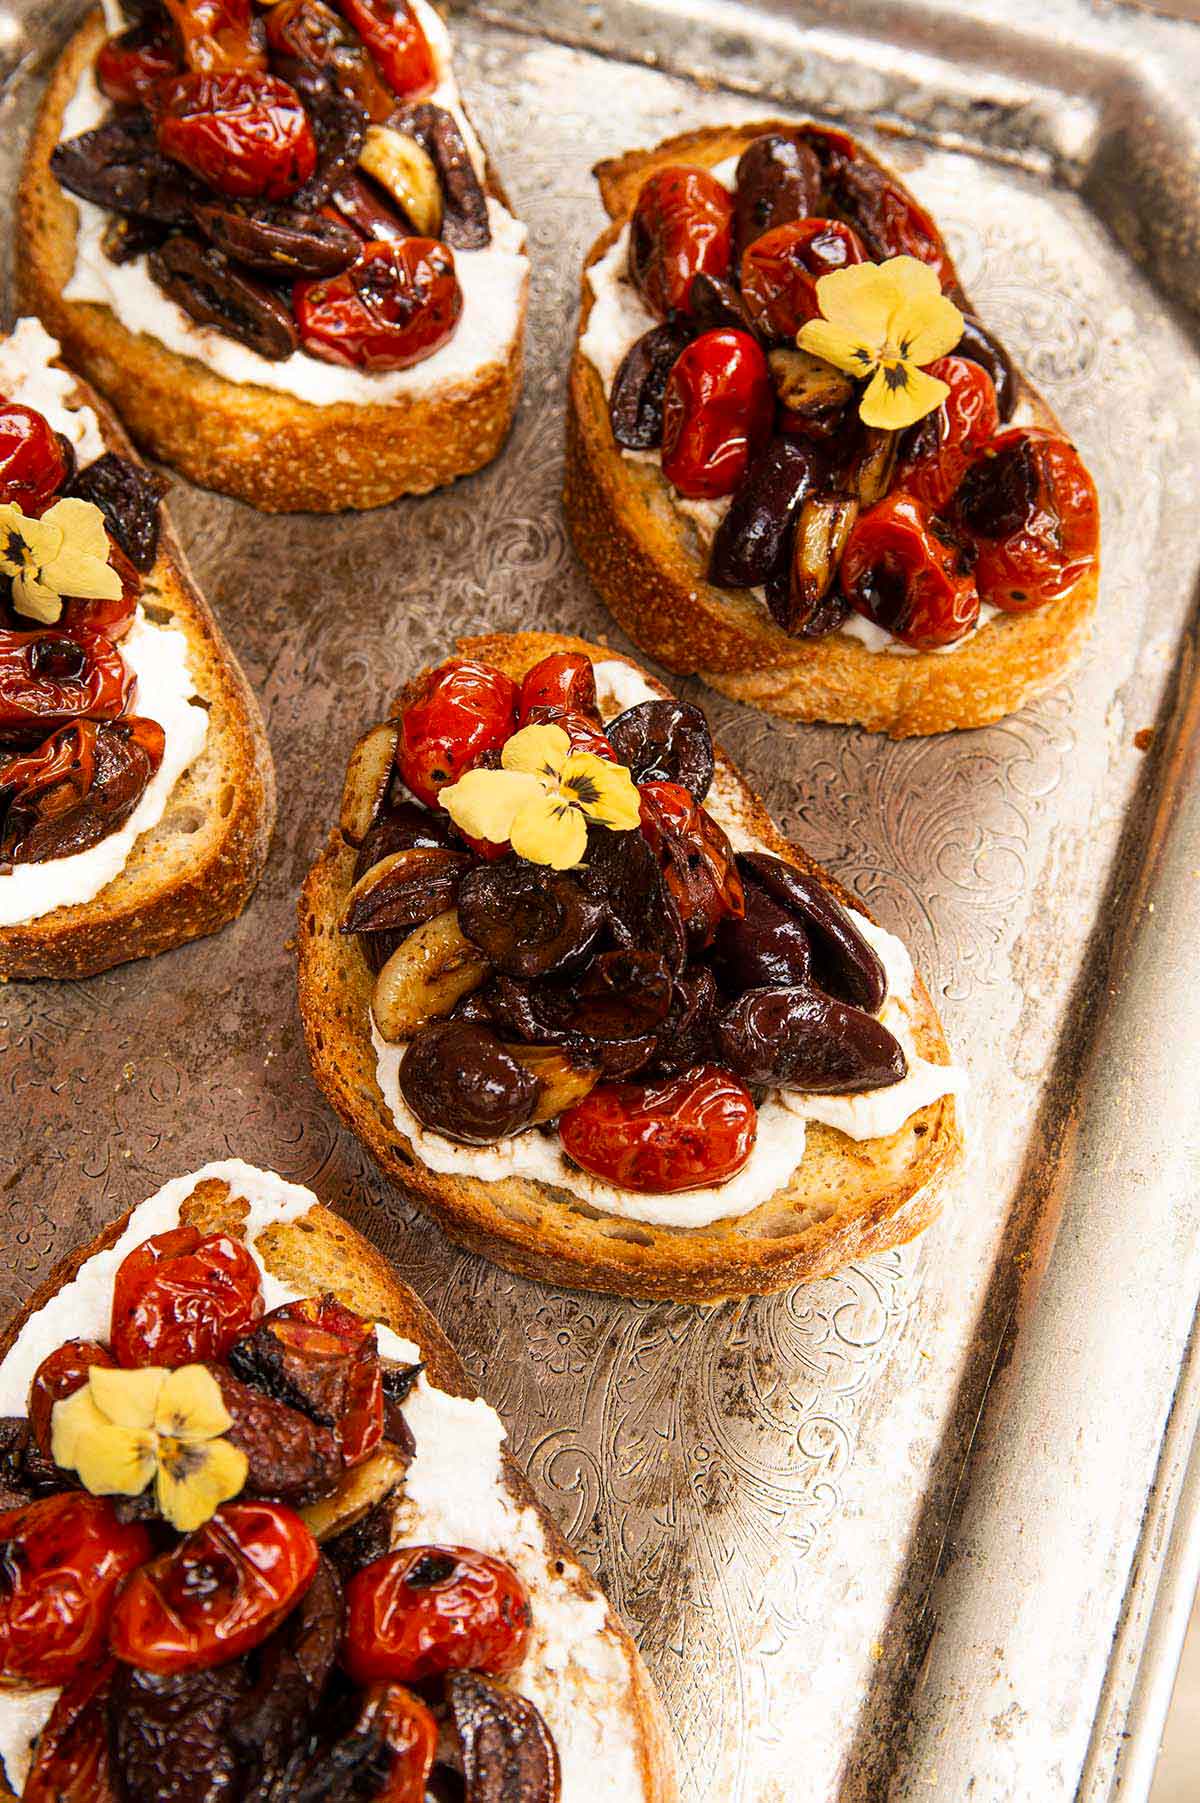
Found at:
[130, 65]
[410, 1733]
[72, 1759]
[1029, 507]
[426, 1610]
[62, 1560]
[395, 306]
[50, 678]
[899, 572]
[467, 709]
[323, 1326]
[401, 51]
[718, 409]
[244, 133]
[946, 442]
[682, 226]
[181, 1298]
[32, 464]
[59, 1375]
[679, 1133]
[695, 857]
[780, 271]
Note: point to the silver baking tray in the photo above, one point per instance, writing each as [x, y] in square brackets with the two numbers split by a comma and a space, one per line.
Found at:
[924, 1530]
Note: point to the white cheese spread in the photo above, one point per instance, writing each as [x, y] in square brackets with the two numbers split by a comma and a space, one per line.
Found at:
[455, 1493]
[492, 280]
[538, 1155]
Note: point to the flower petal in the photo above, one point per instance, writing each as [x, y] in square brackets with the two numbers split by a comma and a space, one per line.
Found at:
[833, 345]
[928, 331]
[193, 1481]
[860, 299]
[191, 1407]
[548, 830]
[12, 538]
[33, 599]
[127, 1398]
[70, 1419]
[483, 802]
[899, 395]
[540, 750]
[80, 565]
[111, 1461]
[911, 280]
[606, 792]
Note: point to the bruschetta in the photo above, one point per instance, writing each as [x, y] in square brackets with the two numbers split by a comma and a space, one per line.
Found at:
[137, 792]
[797, 464]
[564, 977]
[264, 1539]
[274, 241]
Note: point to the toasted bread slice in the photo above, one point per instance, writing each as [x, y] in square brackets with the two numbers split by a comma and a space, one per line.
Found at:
[281, 454]
[197, 869]
[648, 565]
[846, 1199]
[315, 1252]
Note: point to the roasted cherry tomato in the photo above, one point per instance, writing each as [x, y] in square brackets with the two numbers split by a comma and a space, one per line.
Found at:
[581, 729]
[432, 1609]
[1030, 508]
[50, 678]
[467, 710]
[317, 35]
[908, 575]
[392, 33]
[696, 858]
[780, 271]
[112, 618]
[60, 1374]
[565, 679]
[216, 1594]
[680, 1133]
[33, 466]
[61, 1561]
[397, 305]
[246, 134]
[321, 1329]
[941, 449]
[72, 1762]
[887, 219]
[180, 1298]
[218, 35]
[130, 66]
[410, 1733]
[718, 407]
[682, 226]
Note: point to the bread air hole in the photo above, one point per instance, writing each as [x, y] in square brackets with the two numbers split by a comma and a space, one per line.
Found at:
[184, 820]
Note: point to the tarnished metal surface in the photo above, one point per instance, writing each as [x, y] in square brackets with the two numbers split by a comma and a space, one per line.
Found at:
[775, 1492]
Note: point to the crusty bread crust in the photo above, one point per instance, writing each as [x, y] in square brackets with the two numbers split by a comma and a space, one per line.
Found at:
[645, 560]
[846, 1199]
[281, 454]
[320, 1252]
[196, 869]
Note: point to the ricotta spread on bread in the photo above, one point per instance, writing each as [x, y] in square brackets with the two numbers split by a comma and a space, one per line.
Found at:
[782, 1115]
[455, 1492]
[157, 656]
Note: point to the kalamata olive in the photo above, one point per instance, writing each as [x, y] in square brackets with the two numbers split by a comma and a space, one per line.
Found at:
[801, 1039]
[507, 1750]
[778, 180]
[752, 542]
[844, 965]
[610, 1018]
[119, 166]
[125, 238]
[460, 1081]
[402, 826]
[368, 210]
[465, 222]
[713, 301]
[687, 1037]
[526, 920]
[665, 741]
[281, 244]
[622, 871]
[339, 124]
[984, 348]
[402, 890]
[803, 600]
[212, 292]
[129, 496]
[767, 948]
[635, 405]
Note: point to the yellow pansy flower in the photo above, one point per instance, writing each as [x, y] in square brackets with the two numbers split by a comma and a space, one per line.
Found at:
[541, 799]
[63, 553]
[124, 1428]
[886, 321]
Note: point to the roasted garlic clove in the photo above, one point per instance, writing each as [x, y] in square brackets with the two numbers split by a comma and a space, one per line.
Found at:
[362, 1489]
[367, 778]
[399, 164]
[423, 979]
[560, 1082]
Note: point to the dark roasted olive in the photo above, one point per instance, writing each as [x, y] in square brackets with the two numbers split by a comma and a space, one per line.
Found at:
[611, 1018]
[125, 238]
[402, 826]
[752, 542]
[170, 1736]
[211, 291]
[460, 1081]
[282, 244]
[369, 210]
[405, 889]
[687, 1036]
[622, 871]
[528, 921]
[999, 493]
[120, 167]
[635, 406]
[714, 302]
[778, 181]
[129, 496]
[767, 948]
[801, 1039]
[984, 348]
[290, 1671]
[844, 965]
[802, 598]
[339, 125]
[813, 621]
[665, 741]
[465, 222]
[507, 1751]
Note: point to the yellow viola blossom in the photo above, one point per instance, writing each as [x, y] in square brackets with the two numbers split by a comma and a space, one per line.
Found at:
[543, 796]
[126, 1428]
[885, 322]
[65, 553]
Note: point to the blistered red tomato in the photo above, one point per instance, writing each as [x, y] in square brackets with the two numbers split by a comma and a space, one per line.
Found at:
[780, 271]
[1029, 507]
[908, 575]
[316, 34]
[392, 33]
[33, 465]
[130, 66]
[180, 1298]
[680, 1133]
[50, 678]
[467, 709]
[696, 858]
[218, 35]
[887, 219]
[718, 408]
[322, 1331]
[244, 133]
[565, 679]
[216, 1594]
[397, 305]
[62, 1560]
[60, 1374]
[942, 448]
[410, 1733]
[431, 1609]
[682, 226]
[72, 1762]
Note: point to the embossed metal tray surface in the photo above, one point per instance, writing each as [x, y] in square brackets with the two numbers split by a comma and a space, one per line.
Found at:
[903, 1533]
